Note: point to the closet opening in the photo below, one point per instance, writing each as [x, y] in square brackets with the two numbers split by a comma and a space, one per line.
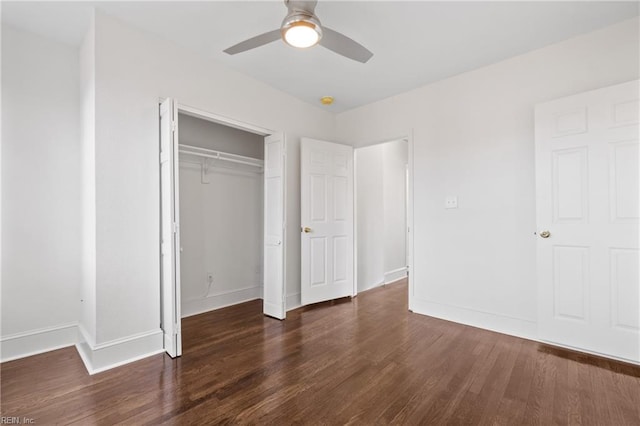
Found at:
[221, 215]
[382, 201]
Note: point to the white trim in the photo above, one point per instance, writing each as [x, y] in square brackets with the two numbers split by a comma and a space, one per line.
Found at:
[285, 222]
[410, 222]
[519, 327]
[123, 340]
[395, 281]
[220, 300]
[395, 271]
[114, 353]
[220, 119]
[504, 324]
[355, 223]
[294, 301]
[372, 286]
[395, 275]
[34, 342]
[381, 284]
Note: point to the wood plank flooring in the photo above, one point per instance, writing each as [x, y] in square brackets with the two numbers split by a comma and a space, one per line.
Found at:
[367, 361]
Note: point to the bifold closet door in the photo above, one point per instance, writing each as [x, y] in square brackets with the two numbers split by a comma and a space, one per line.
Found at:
[170, 230]
[274, 230]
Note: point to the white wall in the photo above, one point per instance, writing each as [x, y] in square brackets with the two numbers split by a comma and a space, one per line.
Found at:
[220, 221]
[381, 213]
[133, 70]
[41, 239]
[473, 137]
[370, 216]
[395, 157]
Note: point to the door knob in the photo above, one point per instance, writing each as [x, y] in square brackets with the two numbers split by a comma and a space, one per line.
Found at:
[545, 234]
[306, 230]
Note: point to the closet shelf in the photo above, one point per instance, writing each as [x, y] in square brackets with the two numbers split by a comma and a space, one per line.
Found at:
[219, 155]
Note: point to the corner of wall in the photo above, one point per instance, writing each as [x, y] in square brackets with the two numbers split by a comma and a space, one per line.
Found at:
[101, 357]
[293, 301]
[87, 124]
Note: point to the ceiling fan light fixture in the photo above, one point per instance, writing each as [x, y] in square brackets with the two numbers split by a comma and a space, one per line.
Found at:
[301, 31]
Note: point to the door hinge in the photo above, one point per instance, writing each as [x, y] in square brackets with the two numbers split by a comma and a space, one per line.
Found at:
[174, 126]
[175, 227]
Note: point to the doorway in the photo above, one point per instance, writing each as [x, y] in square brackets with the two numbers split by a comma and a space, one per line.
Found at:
[382, 207]
[234, 215]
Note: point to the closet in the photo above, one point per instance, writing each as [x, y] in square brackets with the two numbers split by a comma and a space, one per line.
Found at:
[221, 215]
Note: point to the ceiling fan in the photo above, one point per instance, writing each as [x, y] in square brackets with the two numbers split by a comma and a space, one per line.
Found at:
[301, 28]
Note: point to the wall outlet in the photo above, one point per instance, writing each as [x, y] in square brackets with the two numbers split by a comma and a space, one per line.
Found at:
[451, 202]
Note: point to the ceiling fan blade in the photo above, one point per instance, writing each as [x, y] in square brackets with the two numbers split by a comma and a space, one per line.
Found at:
[343, 45]
[252, 43]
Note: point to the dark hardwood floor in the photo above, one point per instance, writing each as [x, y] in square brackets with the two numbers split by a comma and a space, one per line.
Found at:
[366, 361]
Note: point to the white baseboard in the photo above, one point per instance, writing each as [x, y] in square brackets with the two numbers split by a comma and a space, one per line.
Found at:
[395, 275]
[371, 286]
[518, 327]
[35, 342]
[104, 356]
[220, 300]
[293, 301]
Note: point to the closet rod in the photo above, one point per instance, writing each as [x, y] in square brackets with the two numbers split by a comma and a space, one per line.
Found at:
[218, 155]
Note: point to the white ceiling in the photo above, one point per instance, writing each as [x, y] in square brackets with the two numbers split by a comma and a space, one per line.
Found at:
[414, 43]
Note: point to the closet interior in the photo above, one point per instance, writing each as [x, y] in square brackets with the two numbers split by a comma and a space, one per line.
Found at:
[221, 215]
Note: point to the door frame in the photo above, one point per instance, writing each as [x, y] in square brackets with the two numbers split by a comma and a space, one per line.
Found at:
[409, 212]
[229, 122]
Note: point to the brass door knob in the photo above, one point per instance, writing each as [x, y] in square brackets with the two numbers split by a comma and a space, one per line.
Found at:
[545, 234]
[306, 230]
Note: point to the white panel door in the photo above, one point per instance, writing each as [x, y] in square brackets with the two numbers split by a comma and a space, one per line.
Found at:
[170, 230]
[587, 186]
[327, 220]
[274, 226]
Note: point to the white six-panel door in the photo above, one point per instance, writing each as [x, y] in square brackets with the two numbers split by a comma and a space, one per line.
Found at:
[170, 237]
[327, 220]
[587, 186]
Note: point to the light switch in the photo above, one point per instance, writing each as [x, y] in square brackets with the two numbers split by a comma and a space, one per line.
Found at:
[451, 202]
